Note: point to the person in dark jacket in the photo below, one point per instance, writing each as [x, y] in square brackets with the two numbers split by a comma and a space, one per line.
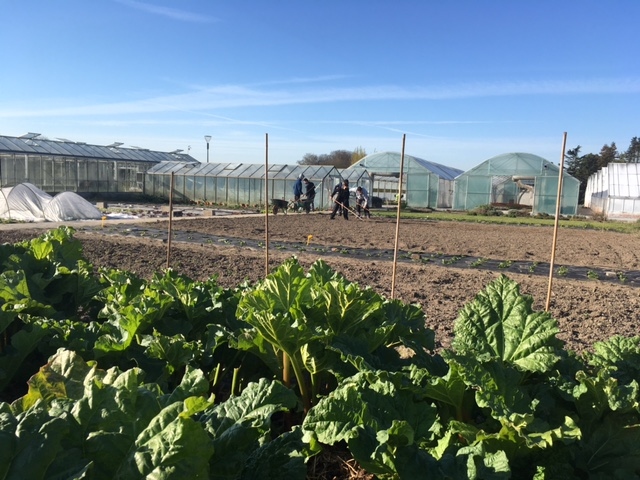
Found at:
[310, 192]
[341, 200]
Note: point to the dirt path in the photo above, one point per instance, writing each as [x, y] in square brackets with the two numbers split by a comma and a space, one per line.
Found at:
[587, 309]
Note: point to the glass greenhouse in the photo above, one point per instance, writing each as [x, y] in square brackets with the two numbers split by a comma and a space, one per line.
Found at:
[516, 179]
[614, 191]
[61, 165]
[237, 183]
[358, 177]
[425, 184]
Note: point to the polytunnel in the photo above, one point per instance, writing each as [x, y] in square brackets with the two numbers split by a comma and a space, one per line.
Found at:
[27, 203]
[516, 179]
[425, 184]
[237, 184]
[614, 191]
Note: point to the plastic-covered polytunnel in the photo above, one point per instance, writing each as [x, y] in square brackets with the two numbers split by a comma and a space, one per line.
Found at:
[27, 203]
[516, 179]
[425, 183]
[614, 191]
[235, 184]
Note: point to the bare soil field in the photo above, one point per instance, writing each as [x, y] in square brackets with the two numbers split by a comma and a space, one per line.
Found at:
[441, 265]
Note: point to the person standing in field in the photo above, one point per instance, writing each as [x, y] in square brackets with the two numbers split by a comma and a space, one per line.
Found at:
[297, 188]
[310, 192]
[362, 202]
[341, 199]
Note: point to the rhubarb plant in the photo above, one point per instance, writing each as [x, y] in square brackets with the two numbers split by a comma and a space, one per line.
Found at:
[83, 422]
[513, 404]
[139, 386]
[327, 327]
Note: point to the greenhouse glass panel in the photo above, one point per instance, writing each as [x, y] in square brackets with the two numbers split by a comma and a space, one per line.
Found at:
[166, 185]
[107, 175]
[47, 173]
[209, 189]
[83, 175]
[243, 190]
[58, 175]
[9, 169]
[199, 193]
[243, 171]
[178, 186]
[5, 158]
[229, 170]
[92, 175]
[221, 190]
[232, 191]
[20, 169]
[417, 190]
[71, 175]
[189, 187]
[258, 190]
[34, 170]
[276, 189]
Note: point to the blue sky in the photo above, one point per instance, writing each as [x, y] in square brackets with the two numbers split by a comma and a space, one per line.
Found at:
[464, 80]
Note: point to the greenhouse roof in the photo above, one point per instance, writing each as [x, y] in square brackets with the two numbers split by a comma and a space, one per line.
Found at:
[243, 170]
[515, 163]
[385, 162]
[34, 143]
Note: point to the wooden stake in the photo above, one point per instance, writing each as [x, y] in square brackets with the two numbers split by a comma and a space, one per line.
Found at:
[286, 365]
[555, 223]
[395, 247]
[170, 235]
[266, 205]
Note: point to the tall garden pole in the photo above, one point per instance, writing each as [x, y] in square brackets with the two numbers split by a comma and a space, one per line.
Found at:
[395, 247]
[286, 372]
[266, 205]
[555, 223]
[170, 218]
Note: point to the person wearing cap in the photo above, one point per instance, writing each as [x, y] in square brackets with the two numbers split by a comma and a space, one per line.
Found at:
[341, 199]
[297, 188]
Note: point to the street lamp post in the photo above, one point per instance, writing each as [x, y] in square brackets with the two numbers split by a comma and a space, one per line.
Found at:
[207, 139]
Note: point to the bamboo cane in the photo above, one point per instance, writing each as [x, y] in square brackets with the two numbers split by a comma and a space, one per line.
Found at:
[395, 247]
[266, 205]
[170, 234]
[555, 224]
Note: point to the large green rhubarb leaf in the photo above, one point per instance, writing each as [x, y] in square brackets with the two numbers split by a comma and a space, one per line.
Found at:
[379, 417]
[239, 425]
[20, 346]
[136, 317]
[500, 323]
[173, 446]
[283, 457]
[274, 307]
[619, 354]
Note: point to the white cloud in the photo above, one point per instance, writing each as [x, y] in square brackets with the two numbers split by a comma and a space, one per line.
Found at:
[172, 13]
[238, 96]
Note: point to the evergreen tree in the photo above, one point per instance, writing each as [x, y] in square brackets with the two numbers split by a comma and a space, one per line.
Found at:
[608, 154]
[582, 167]
[632, 155]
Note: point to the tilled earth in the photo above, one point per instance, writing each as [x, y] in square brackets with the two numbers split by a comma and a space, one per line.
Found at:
[440, 265]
